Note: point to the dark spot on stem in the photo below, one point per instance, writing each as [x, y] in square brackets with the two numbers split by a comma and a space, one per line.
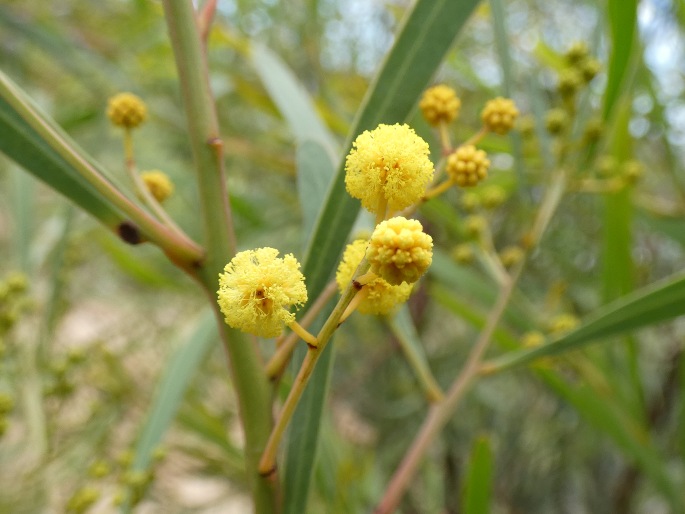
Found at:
[357, 285]
[129, 232]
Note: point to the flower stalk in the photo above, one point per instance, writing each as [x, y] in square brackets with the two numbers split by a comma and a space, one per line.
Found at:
[442, 411]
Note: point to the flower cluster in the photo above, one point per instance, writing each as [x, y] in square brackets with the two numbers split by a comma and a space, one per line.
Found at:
[467, 165]
[388, 166]
[379, 296]
[158, 183]
[126, 110]
[256, 290]
[400, 251]
[440, 104]
[499, 115]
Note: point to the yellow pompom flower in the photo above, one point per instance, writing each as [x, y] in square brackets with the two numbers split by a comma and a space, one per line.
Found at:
[563, 323]
[126, 110]
[499, 115]
[532, 339]
[440, 104]
[388, 164]
[400, 251]
[380, 297]
[257, 288]
[463, 253]
[494, 196]
[511, 256]
[475, 226]
[467, 165]
[158, 183]
[577, 53]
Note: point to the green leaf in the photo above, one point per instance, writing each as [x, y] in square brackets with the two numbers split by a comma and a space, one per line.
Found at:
[653, 304]
[459, 305]
[603, 412]
[171, 389]
[35, 142]
[316, 146]
[477, 491]
[424, 39]
[463, 280]
[315, 170]
[22, 215]
[409, 340]
[20, 142]
[291, 97]
[623, 21]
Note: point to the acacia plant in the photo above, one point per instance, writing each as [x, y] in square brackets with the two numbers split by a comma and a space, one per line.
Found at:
[430, 181]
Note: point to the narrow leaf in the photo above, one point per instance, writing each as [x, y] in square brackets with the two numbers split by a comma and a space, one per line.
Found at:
[653, 304]
[478, 484]
[623, 21]
[290, 96]
[171, 389]
[178, 373]
[423, 41]
[315, 169]
[404, 330]
[603, 413]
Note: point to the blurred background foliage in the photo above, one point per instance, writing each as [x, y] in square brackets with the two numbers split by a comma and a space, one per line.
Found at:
[89, 326]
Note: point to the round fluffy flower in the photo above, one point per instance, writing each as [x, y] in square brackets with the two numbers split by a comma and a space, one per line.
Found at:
[392, 161]
[400, 251]
[462, 253]
[532, 339]
[494, 196]
[499, 115]
[256, 289]
[467, 165]
[440, 104]
[563, 323]
[556, 121]
[126, 110]
[569, 82]
[577, 53]
[158, 183]
[379, 296]
[511, 256]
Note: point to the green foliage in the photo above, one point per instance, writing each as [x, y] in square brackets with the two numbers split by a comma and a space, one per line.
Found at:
[112, 386]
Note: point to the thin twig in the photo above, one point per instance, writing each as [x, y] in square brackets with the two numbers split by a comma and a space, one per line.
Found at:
[441, 412]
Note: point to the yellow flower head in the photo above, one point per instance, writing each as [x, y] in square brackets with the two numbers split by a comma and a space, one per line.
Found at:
[589, 69]
[511, 256]
[440, 104]
[462, 253]
[470, 201]
[379, 296]
[391, 161]
[532, 339]
[499, 115]
[256, 289]
[475, 226]
[494, 196]
[400, 251]
[126, 110]
[577, 53]
[467, 165]
[556, 120]
[563, 323]
[632, 171]
[158, 183]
